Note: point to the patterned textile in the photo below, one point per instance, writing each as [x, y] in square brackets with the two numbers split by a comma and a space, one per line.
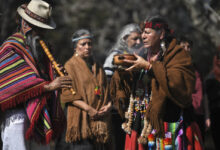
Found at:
[20, 83]
[25, 27]
[173, 139]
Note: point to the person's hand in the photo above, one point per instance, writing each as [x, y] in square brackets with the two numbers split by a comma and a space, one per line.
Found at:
[58, 83]
[138, 64]
[105, 109]
[93, 113]
[207, 123]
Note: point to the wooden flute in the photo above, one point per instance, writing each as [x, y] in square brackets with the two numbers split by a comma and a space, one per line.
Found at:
[49, 55]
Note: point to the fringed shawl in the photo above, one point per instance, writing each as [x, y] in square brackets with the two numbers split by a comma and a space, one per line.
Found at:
[172, 86]
[85, 80]
[20, 83]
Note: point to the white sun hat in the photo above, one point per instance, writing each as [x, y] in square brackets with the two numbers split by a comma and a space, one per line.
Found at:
[37, 13]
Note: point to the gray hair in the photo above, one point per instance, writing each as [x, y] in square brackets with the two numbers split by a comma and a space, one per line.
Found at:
[78, 36]
[121, 43]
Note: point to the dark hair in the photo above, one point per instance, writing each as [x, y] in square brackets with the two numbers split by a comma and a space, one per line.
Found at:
[160, 20]
[217, 52]
[183, 38]
[18, 21]
[78, 34]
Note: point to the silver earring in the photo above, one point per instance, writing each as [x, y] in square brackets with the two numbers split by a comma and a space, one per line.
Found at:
[162, 45]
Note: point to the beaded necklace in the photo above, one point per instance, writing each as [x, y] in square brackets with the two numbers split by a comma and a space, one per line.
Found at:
[137, 104]
[145, 135]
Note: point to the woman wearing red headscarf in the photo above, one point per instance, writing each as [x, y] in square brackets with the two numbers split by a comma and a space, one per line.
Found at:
[160, 86]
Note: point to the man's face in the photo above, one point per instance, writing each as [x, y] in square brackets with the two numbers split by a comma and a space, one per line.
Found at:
[133, 40]
[186, 46]
[151, 38]
[84, 48]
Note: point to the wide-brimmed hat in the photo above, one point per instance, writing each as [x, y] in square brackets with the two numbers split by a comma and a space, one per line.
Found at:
[38, 13]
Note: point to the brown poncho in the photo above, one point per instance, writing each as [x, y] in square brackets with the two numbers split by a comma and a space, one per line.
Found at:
[84, 81]
[172, 86]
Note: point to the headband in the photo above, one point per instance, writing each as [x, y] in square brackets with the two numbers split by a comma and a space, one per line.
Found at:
[158, 26]
[82, 37]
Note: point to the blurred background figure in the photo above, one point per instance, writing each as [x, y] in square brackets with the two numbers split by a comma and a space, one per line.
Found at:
[212, 87]
[199, 98]
[186, 43]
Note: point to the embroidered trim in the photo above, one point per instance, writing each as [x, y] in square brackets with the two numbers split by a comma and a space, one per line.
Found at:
[35, 16]
[97, 91]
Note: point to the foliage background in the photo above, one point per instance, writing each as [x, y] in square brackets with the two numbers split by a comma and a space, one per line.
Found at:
[198, 19]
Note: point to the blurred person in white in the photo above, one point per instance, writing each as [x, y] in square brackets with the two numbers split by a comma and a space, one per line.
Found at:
[128, 41]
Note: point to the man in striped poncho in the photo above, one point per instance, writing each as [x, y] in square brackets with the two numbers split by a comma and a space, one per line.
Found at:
[27, 99]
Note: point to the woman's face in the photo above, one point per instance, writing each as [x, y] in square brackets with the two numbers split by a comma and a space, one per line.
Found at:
[186, 46]
[133, 40]
[151, 38]
[84, 48]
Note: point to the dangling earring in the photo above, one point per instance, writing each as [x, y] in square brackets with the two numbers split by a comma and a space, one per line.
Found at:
[163, 46]
[75, 53]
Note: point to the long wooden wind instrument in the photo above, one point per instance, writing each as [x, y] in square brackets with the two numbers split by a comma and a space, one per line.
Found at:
[49, 55]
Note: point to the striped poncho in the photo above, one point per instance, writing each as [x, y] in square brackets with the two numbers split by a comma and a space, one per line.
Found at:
[20, 82]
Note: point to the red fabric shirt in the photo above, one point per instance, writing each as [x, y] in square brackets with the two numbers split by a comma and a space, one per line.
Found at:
[197, 95]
